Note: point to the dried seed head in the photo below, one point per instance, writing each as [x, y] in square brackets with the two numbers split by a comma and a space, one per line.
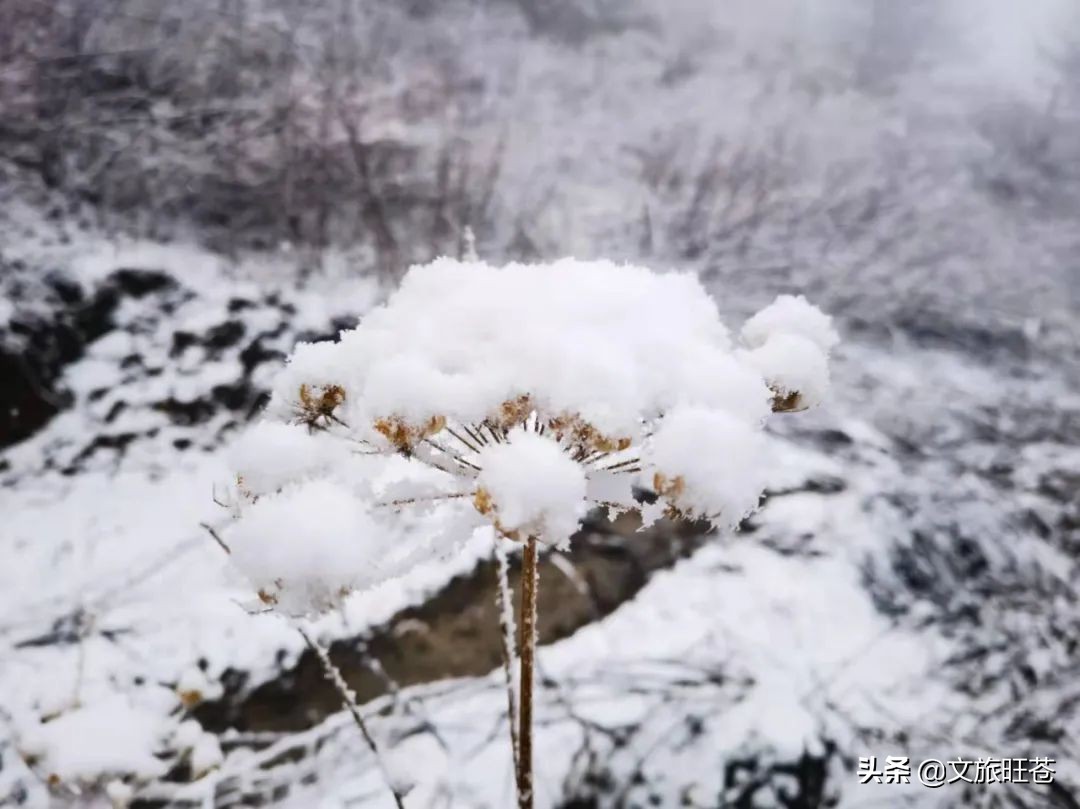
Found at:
[787, 402]
[513, 412]
[267, 597]
[583, 437]
[404, 436]
[485, 504]
[244, 491]
[670, 489]
[482, 502]
[316, 404]
[189, 698]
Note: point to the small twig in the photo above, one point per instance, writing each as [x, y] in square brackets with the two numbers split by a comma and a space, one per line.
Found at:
[619, 465]
[592, 459]
[563, 564]
[405, 501]
[475, 434]
[462, 440]
[437, 462]
[217, 537]
[349, 700]
[452, 455]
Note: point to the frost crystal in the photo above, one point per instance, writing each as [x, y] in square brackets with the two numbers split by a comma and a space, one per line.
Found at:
[519, 397]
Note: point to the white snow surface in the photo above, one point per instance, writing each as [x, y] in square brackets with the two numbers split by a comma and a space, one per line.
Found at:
[793, 364]
[114, 597]
[720, 462]
[270, 454]
[613, 343]
[535, 487]
[113, 736]
[309, 547]
[791, 314]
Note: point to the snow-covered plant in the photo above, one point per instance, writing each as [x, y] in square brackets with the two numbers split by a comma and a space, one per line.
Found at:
[518, 398]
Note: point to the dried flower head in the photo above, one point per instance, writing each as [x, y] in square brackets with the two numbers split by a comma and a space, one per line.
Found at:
[316, 404]
[404, 436]
[519, 397]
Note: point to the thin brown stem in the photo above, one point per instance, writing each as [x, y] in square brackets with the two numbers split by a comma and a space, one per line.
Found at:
[452, 455]
[408, 501]
[594, 458]
[475, 434]
[468, 444]
[619, 465]
[530, 581]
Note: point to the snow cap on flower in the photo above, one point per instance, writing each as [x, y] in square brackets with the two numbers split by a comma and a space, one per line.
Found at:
[789, 343]
[707, 464]
[795, 368]
[317, 377]
[531, 487]
[520, 396]
[307, 548]
[128, 730]
[270, 455]
[791, 314]
[607, 342]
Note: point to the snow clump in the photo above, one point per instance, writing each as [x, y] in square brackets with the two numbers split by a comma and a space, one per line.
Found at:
[531, 487]
[789, 342]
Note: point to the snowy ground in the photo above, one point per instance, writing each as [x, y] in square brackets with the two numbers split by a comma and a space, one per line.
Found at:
[908, 589]
[762, 666]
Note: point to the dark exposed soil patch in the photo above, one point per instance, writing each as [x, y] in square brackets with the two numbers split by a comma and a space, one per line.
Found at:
[54, 322]
[455, 633]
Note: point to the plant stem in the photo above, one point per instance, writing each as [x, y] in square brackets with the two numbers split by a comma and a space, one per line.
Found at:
[530, 582]
[333, 674]
[504, 602]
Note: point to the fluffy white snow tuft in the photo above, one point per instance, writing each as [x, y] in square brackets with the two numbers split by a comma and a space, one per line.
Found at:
[607, 341]
[534, 486]
[270, 455]
[791, 314]
[126, 735]
[707, 463]
[308, 547]
[792, 364]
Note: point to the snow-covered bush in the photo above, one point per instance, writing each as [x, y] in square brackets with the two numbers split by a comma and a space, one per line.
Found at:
[515, 398]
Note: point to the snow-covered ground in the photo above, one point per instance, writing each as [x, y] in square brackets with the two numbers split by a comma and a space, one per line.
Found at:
[832, 626]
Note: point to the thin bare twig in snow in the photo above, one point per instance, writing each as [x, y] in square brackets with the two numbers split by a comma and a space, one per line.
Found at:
[333, 674]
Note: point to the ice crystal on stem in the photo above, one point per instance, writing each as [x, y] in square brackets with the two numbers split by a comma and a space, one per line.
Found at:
[518, 397]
